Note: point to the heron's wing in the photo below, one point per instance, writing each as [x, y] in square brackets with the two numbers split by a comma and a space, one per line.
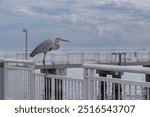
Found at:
[45, 46]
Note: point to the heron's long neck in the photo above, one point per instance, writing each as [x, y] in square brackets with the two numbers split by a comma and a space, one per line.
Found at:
[55, 45]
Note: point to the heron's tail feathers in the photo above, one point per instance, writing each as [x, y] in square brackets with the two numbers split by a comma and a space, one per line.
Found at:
[33, 53]
[37, 50]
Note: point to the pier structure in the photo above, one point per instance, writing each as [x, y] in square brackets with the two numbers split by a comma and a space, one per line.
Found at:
[75, 59]
[57, 85]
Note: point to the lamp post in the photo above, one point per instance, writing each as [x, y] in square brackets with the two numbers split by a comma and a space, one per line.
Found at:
[26, 34]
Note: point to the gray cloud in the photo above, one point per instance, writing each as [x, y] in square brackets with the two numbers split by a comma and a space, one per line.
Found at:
[90, 22]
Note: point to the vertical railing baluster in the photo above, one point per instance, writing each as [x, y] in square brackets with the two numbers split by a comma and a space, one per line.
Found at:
[104, 90]
[75, 90]
[142, 92]
[113, 91]
[119, 91]
[66, 89]
[136, 97]
[130, 92]
[95, 90]
[108, 91]
[124, 94]
[72, 91]
[148, 89]
[99, 88]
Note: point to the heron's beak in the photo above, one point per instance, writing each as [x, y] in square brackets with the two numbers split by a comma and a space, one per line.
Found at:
[64, 40]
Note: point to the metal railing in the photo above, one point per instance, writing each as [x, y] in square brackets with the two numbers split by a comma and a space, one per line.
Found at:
[18, 80]
[113, 88]
[57, 87]
[21, 82]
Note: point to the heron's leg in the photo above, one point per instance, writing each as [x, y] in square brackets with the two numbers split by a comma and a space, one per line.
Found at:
[46, 81]
[44, 60]
[44, 63]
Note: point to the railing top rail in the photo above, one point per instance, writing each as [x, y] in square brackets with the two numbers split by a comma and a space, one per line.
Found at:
[59, 77]
[17, 61]
[123, 81]
[131, 69]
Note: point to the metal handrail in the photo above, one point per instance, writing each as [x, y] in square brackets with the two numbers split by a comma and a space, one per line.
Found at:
[117, 68]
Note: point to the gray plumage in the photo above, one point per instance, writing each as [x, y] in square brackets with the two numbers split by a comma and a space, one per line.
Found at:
[42, 47]
[47, 46]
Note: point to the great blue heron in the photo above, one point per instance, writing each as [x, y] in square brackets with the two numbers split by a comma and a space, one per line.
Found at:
[46, 46]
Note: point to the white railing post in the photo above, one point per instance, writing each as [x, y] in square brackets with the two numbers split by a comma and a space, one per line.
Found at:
[91, 84]
[6, 85]
[32, 88]
[2, 97]
[31, 78]
[88, 84]
[85, 84]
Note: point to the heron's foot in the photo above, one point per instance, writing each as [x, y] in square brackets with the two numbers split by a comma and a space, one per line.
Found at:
[43, 63]
[46, 72]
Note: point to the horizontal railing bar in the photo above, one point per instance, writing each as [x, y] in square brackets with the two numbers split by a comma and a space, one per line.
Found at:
[18, 68]
[117, 68]
[59, 77]
[120, 81]
[18, 61]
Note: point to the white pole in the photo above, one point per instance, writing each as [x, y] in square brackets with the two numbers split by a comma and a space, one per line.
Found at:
[91, 84]
[85, 84]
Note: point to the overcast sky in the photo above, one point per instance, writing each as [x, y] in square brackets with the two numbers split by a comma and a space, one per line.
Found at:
[86, 23]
